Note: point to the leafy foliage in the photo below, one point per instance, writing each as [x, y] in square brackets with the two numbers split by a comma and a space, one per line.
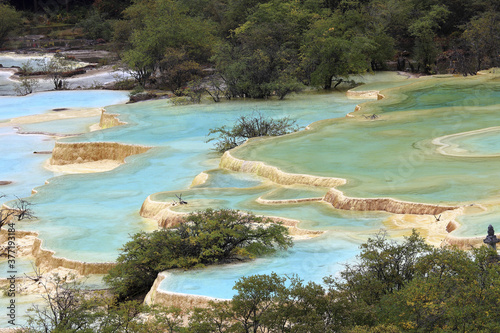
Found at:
[205, 238]
[261, 57]
[334, 47]
[250, 127]
[55, 69]
[67, 307]
[423, 30]
[481, 39]
[27, 84]
[392, 287]
[383, 267]
[10, 19]
[165, 40]
[96, 26]
[264, 48]
[454, 291]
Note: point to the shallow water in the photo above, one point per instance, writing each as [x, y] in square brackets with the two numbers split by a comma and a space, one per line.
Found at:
[10, 59]
[37, 62]
[70, 126]
[309, 259]
[19, 106]
[179, 154]
[18, 158]
[394, 155]
[380, 80]
[391, 156]
[480, 143]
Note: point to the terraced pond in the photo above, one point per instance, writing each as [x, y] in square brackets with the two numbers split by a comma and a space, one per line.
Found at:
[86, 217]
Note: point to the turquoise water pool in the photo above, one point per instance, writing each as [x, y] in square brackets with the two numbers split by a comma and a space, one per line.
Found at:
[89, 216]
[310, 259]
[479, 143]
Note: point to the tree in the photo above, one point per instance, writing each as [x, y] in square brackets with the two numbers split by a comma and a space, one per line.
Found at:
[424, 31]
[65, 309]
[159, 27]
[256, 297]
[96, 26]
[217, 317]
[250, 127]
[272, 303]
[176, 68]
[335, 47]
[383, 267]
[453, 291]
[27, 84]
[10, 20]
[69, 308]
[481, 37]
[261, 57]
[216, 87]
[205, 238]
[113, 8]
[55, 69]
[20, 211]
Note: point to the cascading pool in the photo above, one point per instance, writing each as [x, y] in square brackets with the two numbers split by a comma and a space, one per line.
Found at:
[108, 201]
[87, 217]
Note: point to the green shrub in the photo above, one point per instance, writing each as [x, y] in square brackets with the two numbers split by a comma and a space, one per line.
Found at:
[205, 238]
[250, 127]
[95, 26]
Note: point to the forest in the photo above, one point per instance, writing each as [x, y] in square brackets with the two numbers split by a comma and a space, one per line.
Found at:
[258, 49]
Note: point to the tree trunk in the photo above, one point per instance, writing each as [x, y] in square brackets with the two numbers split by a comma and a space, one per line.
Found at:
[328, 83]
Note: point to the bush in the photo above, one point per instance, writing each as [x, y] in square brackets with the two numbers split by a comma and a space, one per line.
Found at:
[95, 26]
[126, 84]
[205, 238]
[250, 127]
[10, 20]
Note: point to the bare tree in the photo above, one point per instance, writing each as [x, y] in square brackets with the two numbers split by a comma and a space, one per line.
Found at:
[247, 127]
[21, 211]
[26, 84]
[181, 201]
[62, 302]
[216, 87]
[55, 68]
[68, 307]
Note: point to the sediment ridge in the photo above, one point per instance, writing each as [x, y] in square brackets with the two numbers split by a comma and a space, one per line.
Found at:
[286, 201]
[46, 260]
[157, 296]
[335, 197]
[464, 243]
[109, 120]
[200, 179]
[84, 152]
[454, 149]
[364, 94]
[162, 213]
[338, 200]
[274, 174]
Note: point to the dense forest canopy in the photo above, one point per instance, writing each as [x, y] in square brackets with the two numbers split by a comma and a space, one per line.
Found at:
[259, 48]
